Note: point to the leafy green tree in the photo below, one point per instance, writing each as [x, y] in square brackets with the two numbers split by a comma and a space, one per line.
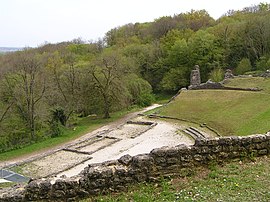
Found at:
[107, 75]
[25, 87]
[175, 79]
[204, 51]
[140, 90]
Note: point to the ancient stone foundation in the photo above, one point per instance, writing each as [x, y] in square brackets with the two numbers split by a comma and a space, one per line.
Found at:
[117, 175]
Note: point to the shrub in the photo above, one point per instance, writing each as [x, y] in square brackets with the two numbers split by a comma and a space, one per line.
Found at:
[217, 75]
[243, 66]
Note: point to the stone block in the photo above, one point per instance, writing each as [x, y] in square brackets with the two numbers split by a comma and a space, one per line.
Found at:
[171, 161]
[262, 152]
[125, 160]
[159, 151]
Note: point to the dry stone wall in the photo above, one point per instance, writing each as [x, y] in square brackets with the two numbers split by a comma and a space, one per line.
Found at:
[116, 175]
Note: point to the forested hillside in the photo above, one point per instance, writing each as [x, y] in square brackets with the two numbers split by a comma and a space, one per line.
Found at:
[44, 89]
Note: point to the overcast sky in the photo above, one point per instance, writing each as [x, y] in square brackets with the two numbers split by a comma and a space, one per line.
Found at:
[32, 22]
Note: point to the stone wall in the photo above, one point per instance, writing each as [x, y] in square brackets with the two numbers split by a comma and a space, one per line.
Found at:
[218, 85]
[116, 175]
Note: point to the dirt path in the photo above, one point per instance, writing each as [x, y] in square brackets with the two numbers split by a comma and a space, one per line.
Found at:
[47, 151]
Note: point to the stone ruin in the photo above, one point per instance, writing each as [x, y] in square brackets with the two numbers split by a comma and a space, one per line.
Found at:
[195, 77]
[266, 74]
[116, 175]
[228, 74]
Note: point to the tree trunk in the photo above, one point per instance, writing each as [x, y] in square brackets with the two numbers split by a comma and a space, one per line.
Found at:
[106, 107]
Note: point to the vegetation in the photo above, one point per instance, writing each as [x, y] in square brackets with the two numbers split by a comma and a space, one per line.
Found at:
[44, 90]
[236, 181]
[224, 109]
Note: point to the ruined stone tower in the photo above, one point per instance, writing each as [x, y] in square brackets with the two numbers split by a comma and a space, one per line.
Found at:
[195, 77]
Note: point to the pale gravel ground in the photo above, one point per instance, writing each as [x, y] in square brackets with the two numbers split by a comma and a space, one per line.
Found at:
[97, 145]
[53, 163]
[163, 134]
[70, 144]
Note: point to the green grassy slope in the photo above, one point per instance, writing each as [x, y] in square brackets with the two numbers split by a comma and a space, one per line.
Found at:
[229, 112]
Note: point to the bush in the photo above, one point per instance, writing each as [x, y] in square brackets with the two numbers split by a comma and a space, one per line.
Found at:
[145, 100]
[243, 66]
[217, 75]
[263, 64]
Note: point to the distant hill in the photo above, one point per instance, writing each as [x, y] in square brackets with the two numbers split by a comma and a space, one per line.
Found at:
[9, 49]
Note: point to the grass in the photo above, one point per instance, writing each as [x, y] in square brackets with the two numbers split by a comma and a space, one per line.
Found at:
[84, 126]
[229, 112]
[235, 181]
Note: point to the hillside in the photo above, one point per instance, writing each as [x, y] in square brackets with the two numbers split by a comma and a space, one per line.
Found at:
[9, 49]
[229, 112]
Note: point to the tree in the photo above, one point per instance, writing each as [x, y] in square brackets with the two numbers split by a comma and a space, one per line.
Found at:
[65, 85]
[204, 51]
[25, 87]
[107, 73]
[175, 79]
[140, 90]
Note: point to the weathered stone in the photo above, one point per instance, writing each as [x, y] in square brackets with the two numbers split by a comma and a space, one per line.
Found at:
[59, 185]
[160, 160]
[204, 150]
[45, 188]
[216, 149]
[58, 194]
[182, 149]
[172, 161]
[198, 157]
[228, 74]
[142, 160]
[195, 77]
[159, 151]
[266, 74]
[186, 158]
[172, 152]
[115, 175]
[120, 171]
[200, 142]
[263, 152]
[125, 160]
[262, 145]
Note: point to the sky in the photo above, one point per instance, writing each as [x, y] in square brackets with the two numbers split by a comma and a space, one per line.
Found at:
[31, 23]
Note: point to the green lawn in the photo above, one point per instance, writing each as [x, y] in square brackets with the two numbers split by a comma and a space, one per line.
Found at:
[84, 126]
[229, 112]
[236, 181]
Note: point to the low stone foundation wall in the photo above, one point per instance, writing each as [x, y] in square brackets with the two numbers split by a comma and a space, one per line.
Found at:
[219, 86]
[116, 175]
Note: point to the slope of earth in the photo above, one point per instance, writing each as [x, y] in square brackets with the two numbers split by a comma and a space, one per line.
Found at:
[229, 112]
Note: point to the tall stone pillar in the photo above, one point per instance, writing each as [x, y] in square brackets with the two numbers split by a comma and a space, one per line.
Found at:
[195, 77]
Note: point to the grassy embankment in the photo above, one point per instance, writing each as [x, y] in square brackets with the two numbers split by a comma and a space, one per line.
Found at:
[236, 181]
[229, 112]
